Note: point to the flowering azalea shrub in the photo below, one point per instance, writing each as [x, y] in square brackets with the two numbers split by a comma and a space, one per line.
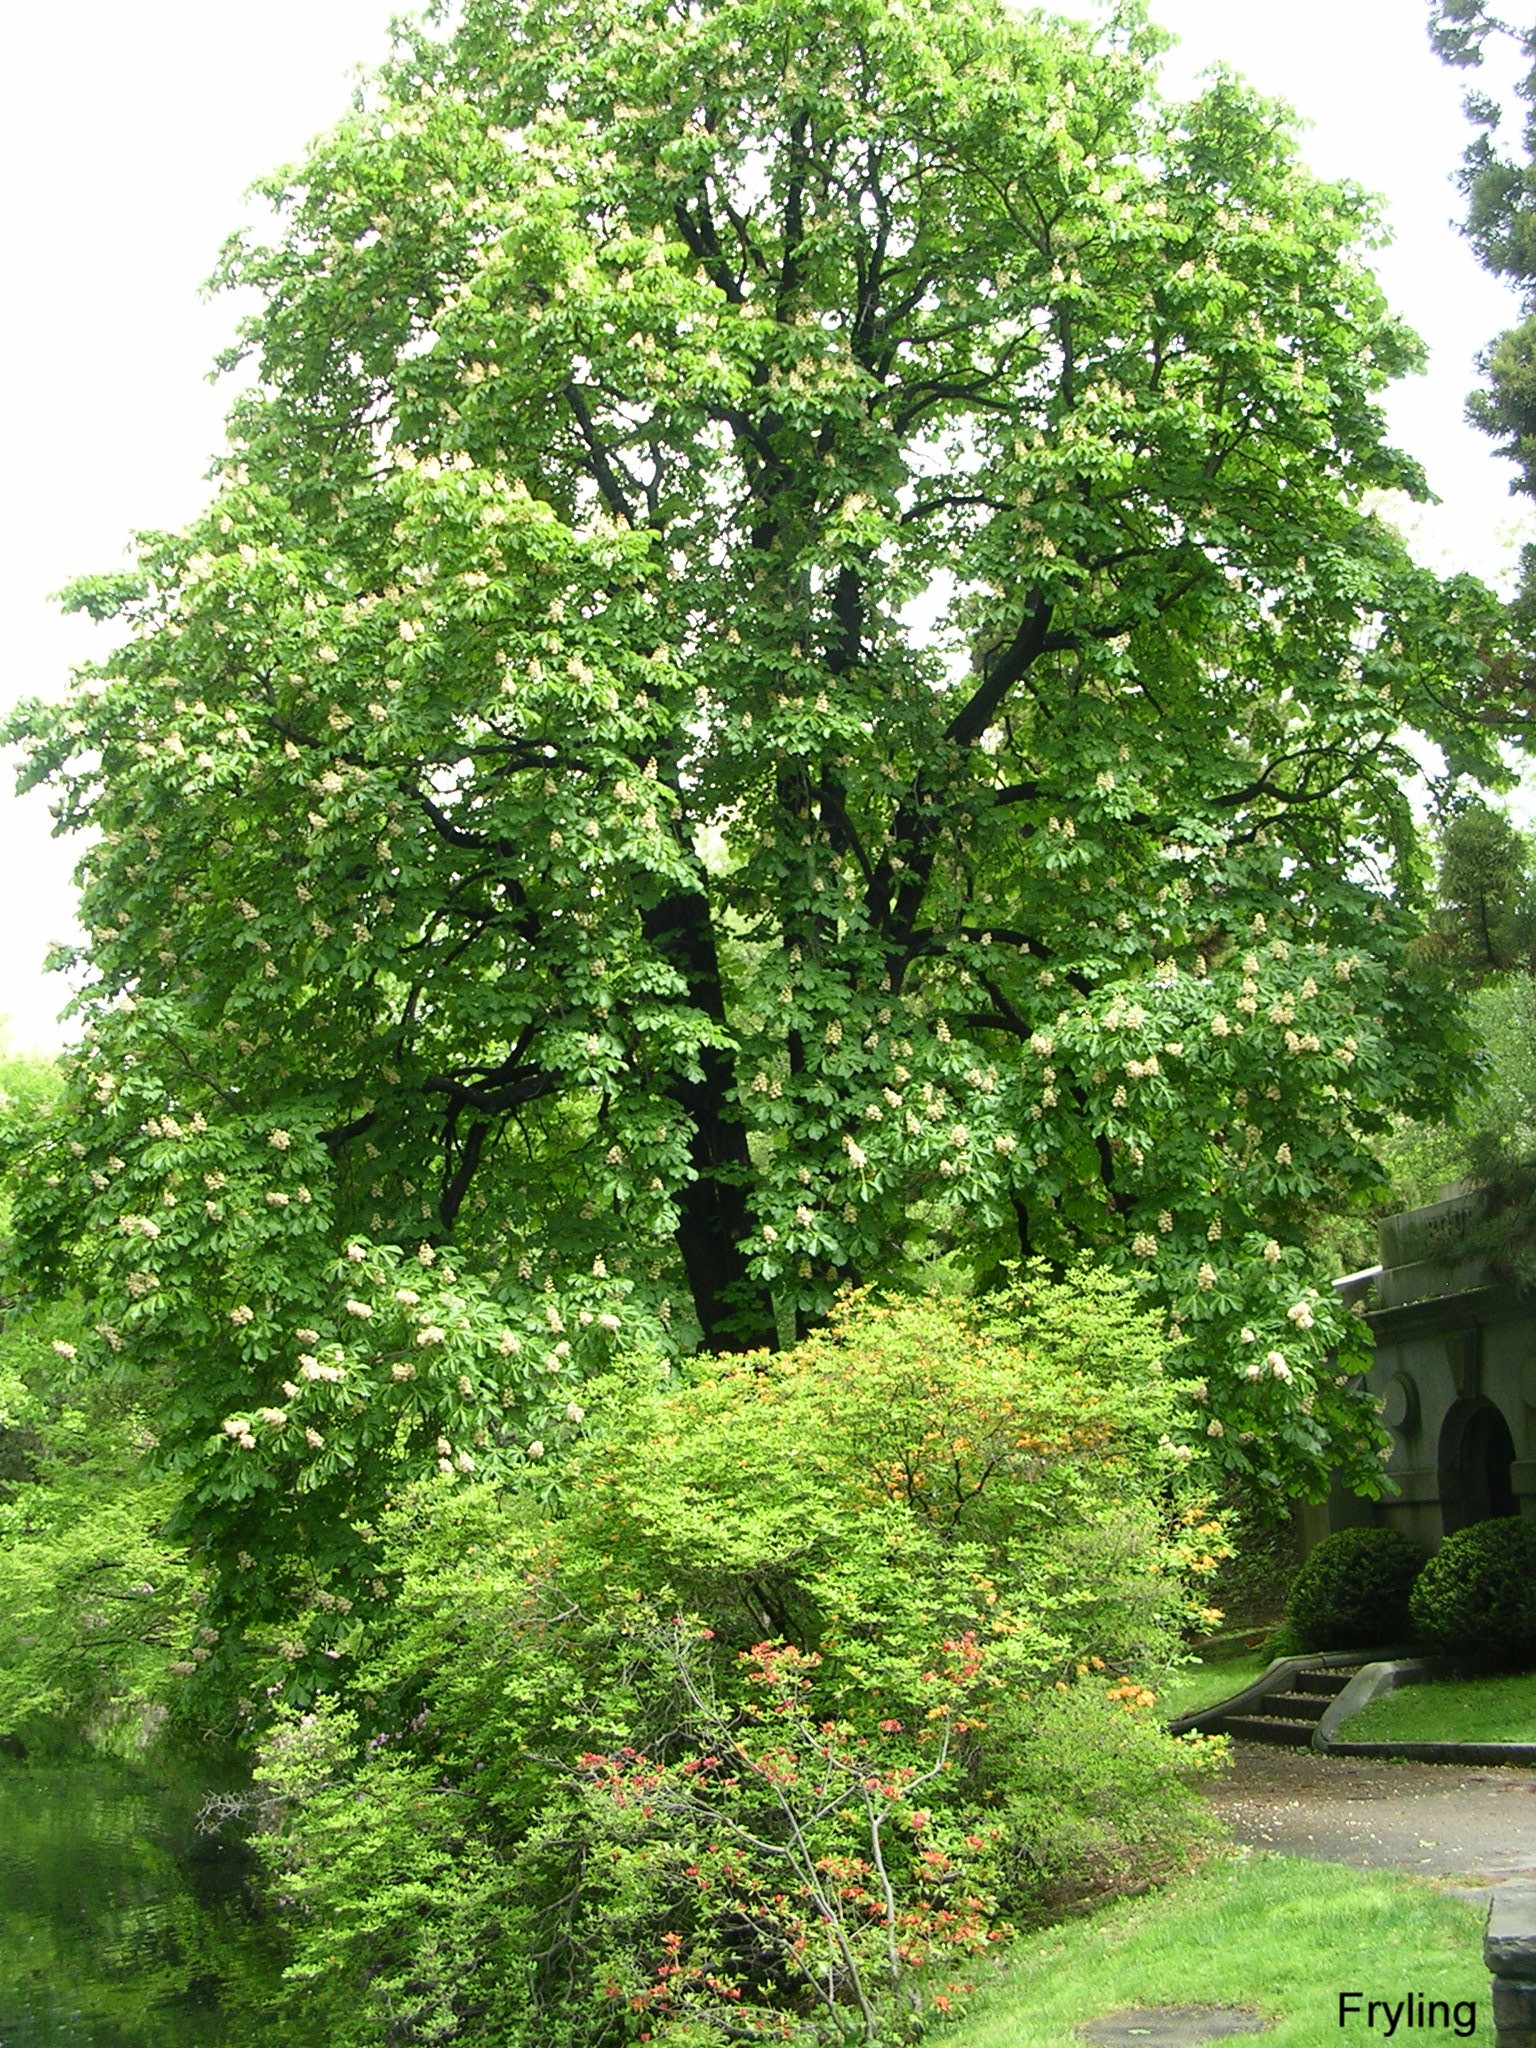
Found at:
[823, 1672]
[860, 1883]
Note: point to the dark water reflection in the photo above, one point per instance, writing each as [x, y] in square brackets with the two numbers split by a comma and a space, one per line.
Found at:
[120, 1926]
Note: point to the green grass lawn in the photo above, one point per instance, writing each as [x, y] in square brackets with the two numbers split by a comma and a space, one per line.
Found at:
[1275, 1933]
[1202, 1685]
[1450, 1710]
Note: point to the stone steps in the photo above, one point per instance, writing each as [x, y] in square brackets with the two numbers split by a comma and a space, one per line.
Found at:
[1298, 1706]
[1330, 1682]
[1287, 1716]
[1264, 1728]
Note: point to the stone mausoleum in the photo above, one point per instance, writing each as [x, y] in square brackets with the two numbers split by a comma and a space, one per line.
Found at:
[1455, 1373]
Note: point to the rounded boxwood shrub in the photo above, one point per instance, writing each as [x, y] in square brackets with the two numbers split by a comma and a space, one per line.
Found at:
[1352, 1592]
[1478, 1591]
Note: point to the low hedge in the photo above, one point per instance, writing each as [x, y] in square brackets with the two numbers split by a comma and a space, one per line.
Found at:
[1478, 1591]
[1352, 1592]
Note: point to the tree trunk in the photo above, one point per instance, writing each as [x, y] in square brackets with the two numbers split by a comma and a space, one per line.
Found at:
[735, 1312]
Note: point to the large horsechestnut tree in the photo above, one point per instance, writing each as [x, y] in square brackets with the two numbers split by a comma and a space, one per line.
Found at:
[790, 668]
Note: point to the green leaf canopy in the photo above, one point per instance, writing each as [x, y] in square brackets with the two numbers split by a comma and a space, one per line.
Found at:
[790, 663]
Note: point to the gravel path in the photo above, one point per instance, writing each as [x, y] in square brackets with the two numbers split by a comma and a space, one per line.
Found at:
[1472, 1829]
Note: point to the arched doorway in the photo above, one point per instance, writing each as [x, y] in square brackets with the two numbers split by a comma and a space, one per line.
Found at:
[1476, 1456]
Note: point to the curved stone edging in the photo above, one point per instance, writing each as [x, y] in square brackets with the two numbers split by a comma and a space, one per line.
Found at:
[1382, 1671]
[1266, 1683]
[1369, 1683]
[1386, 1675]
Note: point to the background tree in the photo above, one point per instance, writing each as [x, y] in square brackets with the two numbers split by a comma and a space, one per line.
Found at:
[786, 669]
[1501, 192]
[1499, 183]
[1484, 930]
[1487, 918]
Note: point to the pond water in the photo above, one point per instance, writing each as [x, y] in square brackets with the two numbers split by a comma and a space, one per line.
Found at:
[121, 1926]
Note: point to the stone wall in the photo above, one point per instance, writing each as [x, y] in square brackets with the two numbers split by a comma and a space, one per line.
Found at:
[1455, 1374]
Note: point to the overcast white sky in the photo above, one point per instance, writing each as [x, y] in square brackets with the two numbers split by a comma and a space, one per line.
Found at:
[133, 130]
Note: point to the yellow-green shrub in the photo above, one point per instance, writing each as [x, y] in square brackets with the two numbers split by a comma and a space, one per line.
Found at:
[864, 1608]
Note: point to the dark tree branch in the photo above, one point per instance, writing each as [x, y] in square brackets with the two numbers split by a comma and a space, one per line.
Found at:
[1003, 669]
[704, 243]
[456, 1184]
[531, 1085]
[603, 470]
[794, 215]
[342, 1134]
